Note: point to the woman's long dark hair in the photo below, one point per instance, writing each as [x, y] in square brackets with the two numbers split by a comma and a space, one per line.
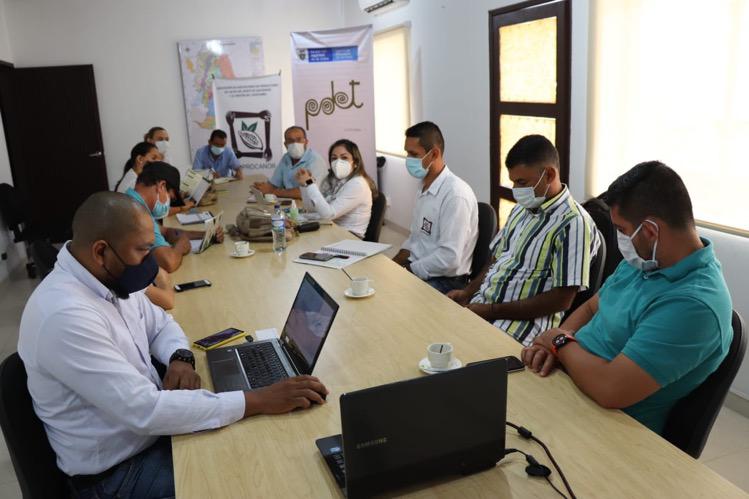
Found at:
[358, 166]
[140, 149]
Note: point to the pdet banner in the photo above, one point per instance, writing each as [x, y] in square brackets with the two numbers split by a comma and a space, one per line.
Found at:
[249, 111]
[334, 89]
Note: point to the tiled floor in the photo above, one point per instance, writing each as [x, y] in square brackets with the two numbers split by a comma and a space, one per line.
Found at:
[727, 450]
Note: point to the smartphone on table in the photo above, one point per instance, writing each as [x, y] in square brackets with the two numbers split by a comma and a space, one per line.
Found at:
[320, 257]
[192, 285]
[220, 338]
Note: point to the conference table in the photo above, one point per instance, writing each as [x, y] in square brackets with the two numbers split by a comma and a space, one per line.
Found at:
[380, 339]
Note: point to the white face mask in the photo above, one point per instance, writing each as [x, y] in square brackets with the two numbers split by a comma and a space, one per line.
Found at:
[526, 196]
[341, 168]
[628, 251]
[296, 150]
[162, 146]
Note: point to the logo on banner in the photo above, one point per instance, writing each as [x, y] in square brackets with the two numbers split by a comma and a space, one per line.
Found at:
[328, 105]
[244, 127]
[302, 54]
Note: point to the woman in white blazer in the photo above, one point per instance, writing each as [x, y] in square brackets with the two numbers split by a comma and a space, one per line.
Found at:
[345, 194]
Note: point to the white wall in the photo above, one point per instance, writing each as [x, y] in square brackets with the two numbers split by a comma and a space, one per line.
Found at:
[450, 85]
[133, 47]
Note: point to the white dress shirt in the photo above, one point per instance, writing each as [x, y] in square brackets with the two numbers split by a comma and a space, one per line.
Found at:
[128, 181]
[87, 355]
[350, 206]
[444, 228]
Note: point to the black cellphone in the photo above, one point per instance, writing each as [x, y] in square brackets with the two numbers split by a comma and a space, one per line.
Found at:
[320, 257]
[192, 285]
[219, 338]
[513, 363]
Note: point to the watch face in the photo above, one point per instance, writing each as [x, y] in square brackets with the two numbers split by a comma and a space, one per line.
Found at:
[183, 353]
[559, 340]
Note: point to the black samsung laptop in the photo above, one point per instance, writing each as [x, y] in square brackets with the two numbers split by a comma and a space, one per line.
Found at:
[262, 363]
[429, 427]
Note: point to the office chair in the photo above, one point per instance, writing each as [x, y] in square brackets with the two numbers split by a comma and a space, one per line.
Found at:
[376, 219]
[691, 419]
[596, 278]
[487, 231]
[33, 459]
[600, 213]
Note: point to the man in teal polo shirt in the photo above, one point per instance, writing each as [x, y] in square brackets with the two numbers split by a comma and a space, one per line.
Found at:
[661, 324]
[298, 155]
[156, 186]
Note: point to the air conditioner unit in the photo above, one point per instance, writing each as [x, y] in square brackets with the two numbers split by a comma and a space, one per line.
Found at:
[379, 6]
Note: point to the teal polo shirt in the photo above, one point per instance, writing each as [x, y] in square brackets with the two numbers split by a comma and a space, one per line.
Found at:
[158, 238]
[674, 323]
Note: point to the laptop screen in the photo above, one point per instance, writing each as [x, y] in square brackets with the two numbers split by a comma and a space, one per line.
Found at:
[309, 321]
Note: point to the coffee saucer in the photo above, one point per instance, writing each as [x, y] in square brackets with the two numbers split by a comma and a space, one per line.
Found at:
[350, 294]
[428, 369]
[234, 255]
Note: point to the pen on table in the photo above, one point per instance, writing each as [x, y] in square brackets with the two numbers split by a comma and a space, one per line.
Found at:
[344, 271]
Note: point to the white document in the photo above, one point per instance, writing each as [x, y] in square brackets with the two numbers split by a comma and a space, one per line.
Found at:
[355, 250]
[194, 218]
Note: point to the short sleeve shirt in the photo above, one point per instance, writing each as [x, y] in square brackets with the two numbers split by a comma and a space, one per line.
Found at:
[159, 239]
[284, 174]
[224, 165]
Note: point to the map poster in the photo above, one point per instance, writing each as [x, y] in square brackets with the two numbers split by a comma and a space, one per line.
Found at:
[333, 82]
[249, 111]
[203, 60]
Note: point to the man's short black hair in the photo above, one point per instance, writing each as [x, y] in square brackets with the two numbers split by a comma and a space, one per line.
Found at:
[295, 127]
[217, 133]
[532, 150]
[651, 189]
[429, 135]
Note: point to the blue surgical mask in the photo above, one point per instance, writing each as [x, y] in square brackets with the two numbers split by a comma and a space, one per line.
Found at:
[160, 210]
[135, 277]
[628, 251]
[217, 151]
[416, 168]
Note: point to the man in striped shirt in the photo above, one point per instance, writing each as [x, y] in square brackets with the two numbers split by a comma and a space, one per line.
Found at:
[541, 258]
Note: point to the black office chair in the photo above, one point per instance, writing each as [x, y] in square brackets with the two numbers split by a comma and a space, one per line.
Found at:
[44, 254]
[600, 213]
[691, 419]
[33, 459]
[487, 231]
[596, 278]
[376, 220]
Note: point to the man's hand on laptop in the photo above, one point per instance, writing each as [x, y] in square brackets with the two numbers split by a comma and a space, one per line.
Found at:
[299, 392]
[181, 376]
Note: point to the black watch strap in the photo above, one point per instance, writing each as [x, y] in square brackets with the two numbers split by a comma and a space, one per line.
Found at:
[310, 181]
[184, 355]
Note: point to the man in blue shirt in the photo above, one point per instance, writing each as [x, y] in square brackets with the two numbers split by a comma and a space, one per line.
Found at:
[283, 183]
[661, 324]
[217, 157]
[156, 186]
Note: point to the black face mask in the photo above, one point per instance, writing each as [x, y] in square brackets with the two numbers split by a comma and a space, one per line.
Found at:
[135, 277]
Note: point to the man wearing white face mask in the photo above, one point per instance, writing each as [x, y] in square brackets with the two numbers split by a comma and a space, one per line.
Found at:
[661, 323]
[444, 227]
[284, 182]
[345, 195]
[217, 157]
[156, 186]
[541, 257]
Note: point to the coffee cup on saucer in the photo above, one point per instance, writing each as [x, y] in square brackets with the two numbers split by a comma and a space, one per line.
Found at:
[440, 355]
[360, 286]
[241, 248]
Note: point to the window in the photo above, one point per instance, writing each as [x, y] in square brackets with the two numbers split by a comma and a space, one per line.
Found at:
[530, 72]
[392, 100]
[670, 83]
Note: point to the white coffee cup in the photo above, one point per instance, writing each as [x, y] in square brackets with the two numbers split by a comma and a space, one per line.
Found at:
[241, 248]
[271, 198]
[440, 355]
[360, 286]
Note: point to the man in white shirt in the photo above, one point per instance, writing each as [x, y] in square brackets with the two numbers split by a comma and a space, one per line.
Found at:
[444, 227]
[86, 339]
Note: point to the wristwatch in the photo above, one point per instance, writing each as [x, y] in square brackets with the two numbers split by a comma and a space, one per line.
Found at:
[561, 340]
[183, 355]
[310, 181]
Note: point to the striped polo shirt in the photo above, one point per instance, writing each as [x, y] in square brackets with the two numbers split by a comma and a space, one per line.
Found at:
[535, 251]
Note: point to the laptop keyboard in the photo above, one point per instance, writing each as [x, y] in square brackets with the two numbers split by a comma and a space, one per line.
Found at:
[337, 466]
[261, 364]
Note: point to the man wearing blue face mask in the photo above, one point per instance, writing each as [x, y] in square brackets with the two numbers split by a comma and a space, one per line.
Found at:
[218, 158]
[661, 323]
[156, 186]
[86, 339]
[444, 225]
[541, 258]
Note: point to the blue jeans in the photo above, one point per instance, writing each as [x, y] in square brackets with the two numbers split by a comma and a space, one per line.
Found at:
[148, 475]
[447, 284]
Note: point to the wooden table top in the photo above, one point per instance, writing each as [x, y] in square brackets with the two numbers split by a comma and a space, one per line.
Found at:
[604, 453]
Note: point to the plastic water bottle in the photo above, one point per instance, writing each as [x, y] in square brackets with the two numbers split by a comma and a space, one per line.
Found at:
[278, 227]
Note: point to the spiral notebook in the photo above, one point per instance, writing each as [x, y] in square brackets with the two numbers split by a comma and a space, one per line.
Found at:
[356, 251]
